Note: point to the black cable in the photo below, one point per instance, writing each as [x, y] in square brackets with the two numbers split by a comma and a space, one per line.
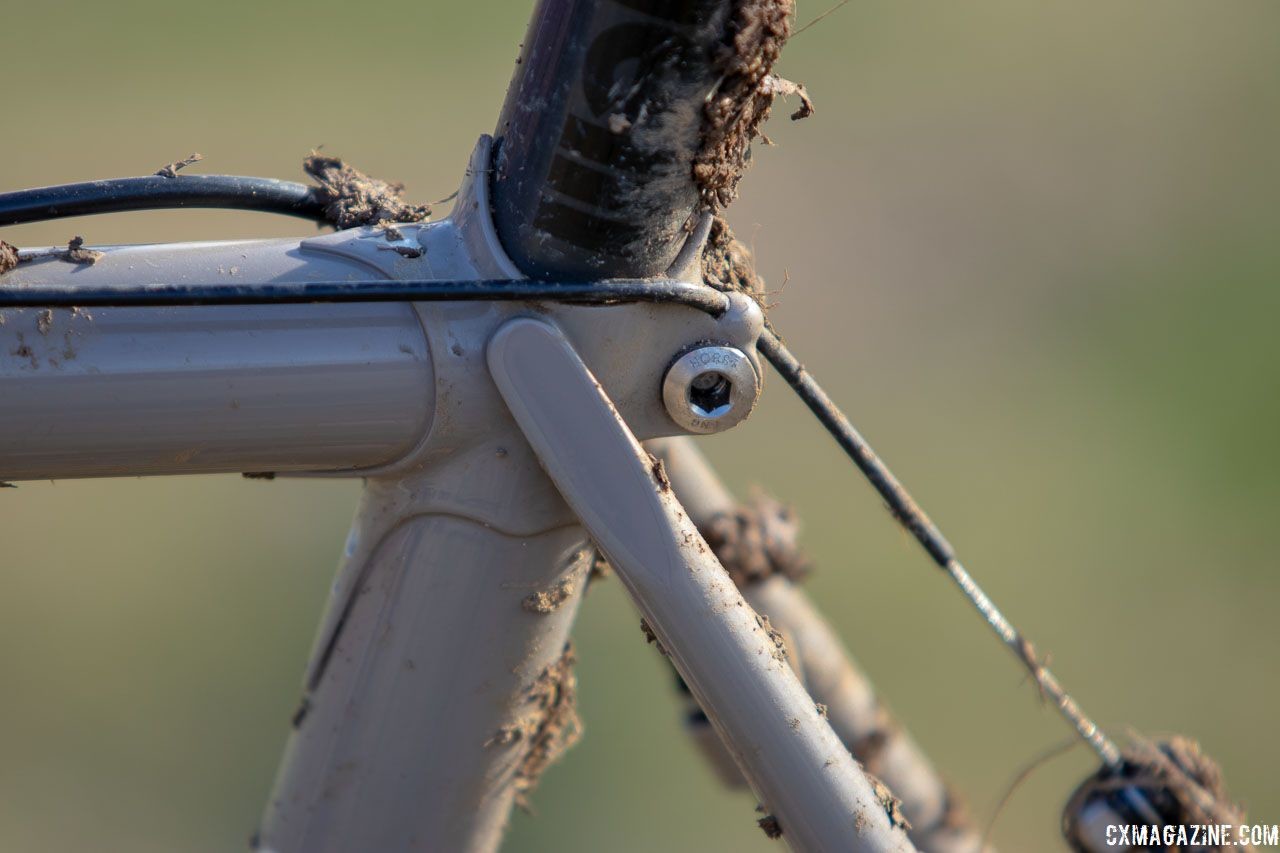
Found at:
[155, 192]
[697, 296]
[901, 504]
[911, 516]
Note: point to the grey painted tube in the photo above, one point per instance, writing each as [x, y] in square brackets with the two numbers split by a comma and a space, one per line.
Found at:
[803, 775]
[830, 673]
[427, 696]
[137, 391]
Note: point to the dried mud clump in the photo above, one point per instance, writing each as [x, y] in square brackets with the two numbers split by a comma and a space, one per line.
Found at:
[732, 119]
[775, 637]
[77, 254]
[727, 264]
[659, 472]
[781, 86]
[756, 541]
[1181, 783]
[733, 115]
[891, 804]
[548, 721]
[352, 198]
[955, 814]
[550, 600]
[171, 170]
[869, 748]
[8, 257]
[600, 568]
[652, 639]
[770, 827]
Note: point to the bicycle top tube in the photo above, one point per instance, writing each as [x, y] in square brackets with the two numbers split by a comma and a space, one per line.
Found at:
[592, 176]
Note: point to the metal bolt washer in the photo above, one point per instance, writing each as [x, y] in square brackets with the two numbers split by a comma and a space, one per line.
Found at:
[710, 389]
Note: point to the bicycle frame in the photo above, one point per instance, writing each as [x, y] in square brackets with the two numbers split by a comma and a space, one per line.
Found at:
[458, 525]
[507, 430]
[499, 445]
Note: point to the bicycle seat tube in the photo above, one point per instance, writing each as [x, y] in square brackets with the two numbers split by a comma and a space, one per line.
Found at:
[592, 174]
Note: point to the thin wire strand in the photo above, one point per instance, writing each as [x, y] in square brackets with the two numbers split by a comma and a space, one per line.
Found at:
[834, 8]
[1056, 751]
[905, 509]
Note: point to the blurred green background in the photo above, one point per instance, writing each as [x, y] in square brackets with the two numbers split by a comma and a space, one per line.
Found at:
[1032, 248]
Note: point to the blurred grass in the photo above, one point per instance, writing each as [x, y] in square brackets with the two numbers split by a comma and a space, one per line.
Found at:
[1032, 248]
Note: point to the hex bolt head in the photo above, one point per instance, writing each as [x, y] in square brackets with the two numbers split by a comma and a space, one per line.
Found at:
[710, 389]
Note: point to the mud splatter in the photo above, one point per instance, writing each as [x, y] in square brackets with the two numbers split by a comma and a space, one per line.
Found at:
[659, 471]
[955, 814]
[869, 749]
[77, 254]
[352, 198]
[600, 568]
[652, 638]
[891, 804]
[23, 350]
[548, 721]
[390, 231]
[727, 264]
[550, 600]
[770, 827]
[775, 636]
[403, 251]
[757, 541]
[171, 170]
[733, 116]
[776, 85]
[8, 257]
